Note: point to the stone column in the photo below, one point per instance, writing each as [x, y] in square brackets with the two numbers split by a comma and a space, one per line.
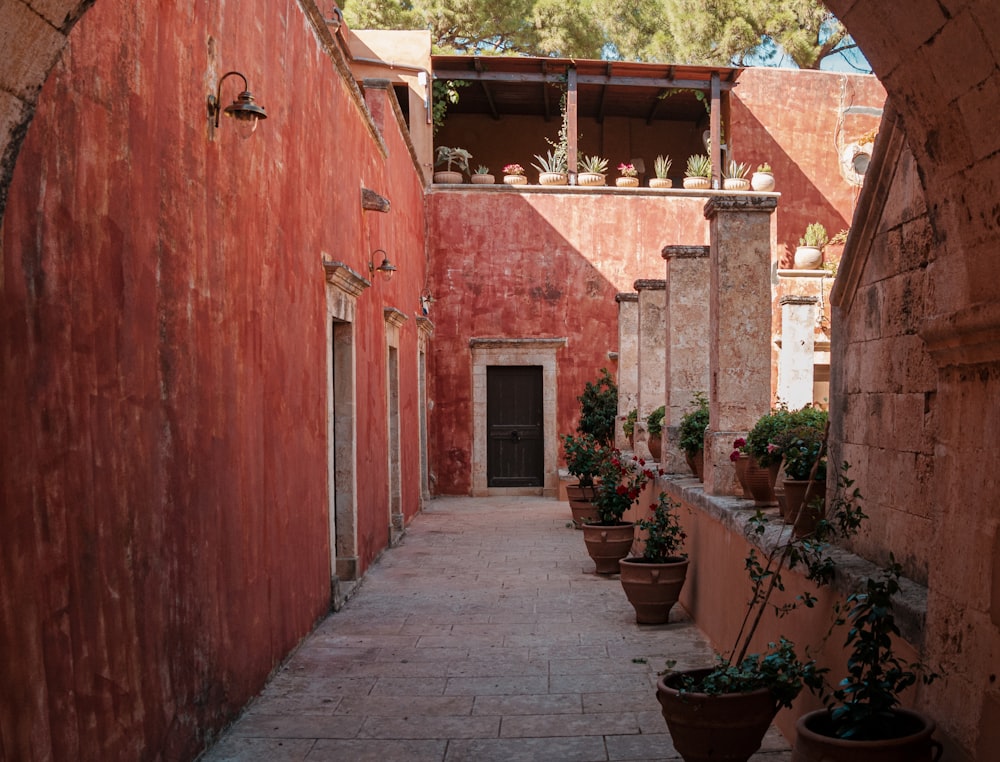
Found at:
[628, 362]
[686, 324]
[740, 328]
[798, 344]
[652, 350]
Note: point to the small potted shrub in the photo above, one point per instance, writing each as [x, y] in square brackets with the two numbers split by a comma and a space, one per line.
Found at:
[598, 408]
[628, 425]
[661, 170]
[809, 253]
[552, 169]
[734, 176]
[803, 456]
[765, 455]
[653, 581]
[862, 719]
[763, 179]
[591, 171]
[451, 157]
[698, 173]
[628, 176]
[482, 176]
[584, 456]
[513, 174]
[654, 428]
[620, 482]
[691, 434]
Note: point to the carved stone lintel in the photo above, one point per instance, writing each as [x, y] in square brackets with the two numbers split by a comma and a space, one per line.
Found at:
[686, 252]
[373, 202]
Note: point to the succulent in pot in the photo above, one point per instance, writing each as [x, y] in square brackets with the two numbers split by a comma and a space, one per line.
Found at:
[698, 171]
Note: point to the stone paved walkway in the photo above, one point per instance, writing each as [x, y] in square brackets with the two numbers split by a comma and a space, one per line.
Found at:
[486, 635]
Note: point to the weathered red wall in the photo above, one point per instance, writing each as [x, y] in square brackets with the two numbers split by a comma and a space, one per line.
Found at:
[537, 264]
[164, 372]
[795, 120]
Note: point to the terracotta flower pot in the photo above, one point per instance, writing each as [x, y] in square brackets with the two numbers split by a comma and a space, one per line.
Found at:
[552, 178]
[652, 588]
[590, 179]
[661, 182]
[760, 484]
[608, 544]
[581, 504]
[448, 177]
[515, 180]
[723, 728]
[627, 182]
[655, 445]
[814, 741]
[741, 464]
[803, 518]
[696, 463]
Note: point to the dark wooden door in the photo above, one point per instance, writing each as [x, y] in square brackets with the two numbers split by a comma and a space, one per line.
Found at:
[515, 454]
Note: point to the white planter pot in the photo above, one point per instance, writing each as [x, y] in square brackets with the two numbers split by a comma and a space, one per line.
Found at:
[552, 178]
[661, 182]
[808, 258]
[735, 184]
[697, 183]
[762, 181]
[515, 180]
[590, 179]
[627, 182]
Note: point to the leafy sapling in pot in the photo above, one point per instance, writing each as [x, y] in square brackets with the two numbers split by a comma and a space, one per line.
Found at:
[584, 456]
[863, 712]
[771, 678]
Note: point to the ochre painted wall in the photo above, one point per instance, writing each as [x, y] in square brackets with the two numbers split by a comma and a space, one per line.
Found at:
[164, 373]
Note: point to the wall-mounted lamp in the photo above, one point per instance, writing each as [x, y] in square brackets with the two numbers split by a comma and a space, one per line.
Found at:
[387, 268]
[243, 109]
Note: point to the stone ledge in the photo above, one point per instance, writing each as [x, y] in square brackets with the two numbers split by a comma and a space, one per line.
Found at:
[734, 514]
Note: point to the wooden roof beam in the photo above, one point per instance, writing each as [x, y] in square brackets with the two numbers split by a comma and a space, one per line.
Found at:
[484, 83]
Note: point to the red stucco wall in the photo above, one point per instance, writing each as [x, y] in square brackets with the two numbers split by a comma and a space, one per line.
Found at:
[164, 486]
[517, 264]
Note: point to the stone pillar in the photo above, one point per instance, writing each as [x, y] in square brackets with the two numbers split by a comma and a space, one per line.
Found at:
[652, 350]
[798, 344]
[686, 324]
[628, 362]
[740, 328]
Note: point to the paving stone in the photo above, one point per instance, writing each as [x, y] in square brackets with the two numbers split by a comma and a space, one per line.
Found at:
[438, 658]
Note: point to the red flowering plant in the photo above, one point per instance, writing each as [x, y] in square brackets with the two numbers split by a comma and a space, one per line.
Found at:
[628, 170]
[622, 479]
[664, 534]
[739, 448]
[513, 169]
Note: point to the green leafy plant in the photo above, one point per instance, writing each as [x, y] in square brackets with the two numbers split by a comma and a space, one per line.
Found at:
[691, 431]
[661, 166]
[598, 408]
[815, 236]
[551, 162]
[735, 171]
[654, 421]
[698, 165]
[594, 164]
[861, 706]
[664, 534]
[621, 481]
[801, 447]
[779, 668]
[764, 169]
[628, 425]
[449, 156]
[763, 435]
[584, 456]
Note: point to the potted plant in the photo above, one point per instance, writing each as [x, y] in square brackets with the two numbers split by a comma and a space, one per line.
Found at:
[598, 408]
[620, 482]
[628, 176]
[763, 179]
[661, 168]
[482, 176]
[722, 712]
[551, 168]
[592, 170]
[809, 253]
[803, 455]
[765, 455]
[449, 157]
[741, 460]
[628, 425]
[653, 581]
[698, 173]
[513, 174]
[734, 176]
[691, 434]
[862, 721]
[654, 427]
[584, 456]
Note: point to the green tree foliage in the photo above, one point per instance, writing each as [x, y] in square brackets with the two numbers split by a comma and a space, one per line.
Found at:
[718, 32]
